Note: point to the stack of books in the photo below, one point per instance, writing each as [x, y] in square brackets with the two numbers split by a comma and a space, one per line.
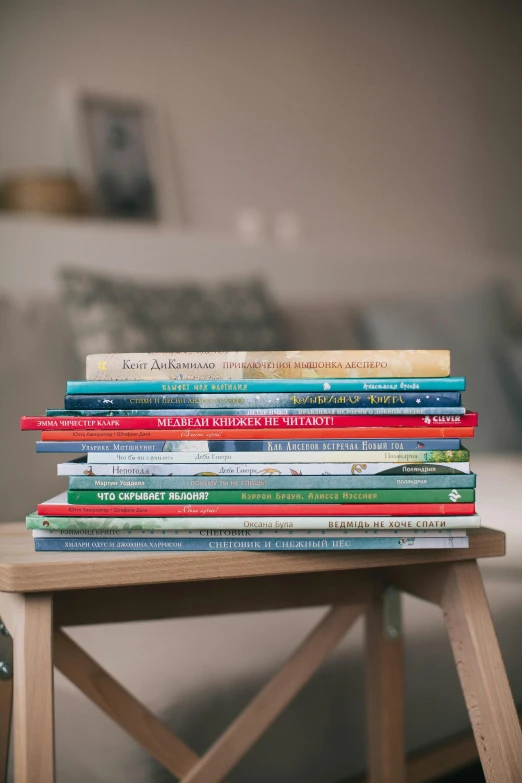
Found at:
[276, 451]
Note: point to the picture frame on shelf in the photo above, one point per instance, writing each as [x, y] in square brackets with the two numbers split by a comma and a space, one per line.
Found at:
[120, 150]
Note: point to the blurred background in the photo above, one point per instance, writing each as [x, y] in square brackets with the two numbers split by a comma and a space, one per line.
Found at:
[226, 175]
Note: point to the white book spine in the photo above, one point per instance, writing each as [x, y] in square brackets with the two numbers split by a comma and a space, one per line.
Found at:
[244, 457]
[349, 523]
[261, 469]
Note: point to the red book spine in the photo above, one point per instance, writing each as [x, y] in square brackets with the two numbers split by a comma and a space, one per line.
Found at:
[266, 510]
[243, 422]
[284, 433]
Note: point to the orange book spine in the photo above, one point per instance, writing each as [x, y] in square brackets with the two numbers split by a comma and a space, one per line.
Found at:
[260, 434]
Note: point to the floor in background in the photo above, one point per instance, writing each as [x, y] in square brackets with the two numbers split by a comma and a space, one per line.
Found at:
[471, 774]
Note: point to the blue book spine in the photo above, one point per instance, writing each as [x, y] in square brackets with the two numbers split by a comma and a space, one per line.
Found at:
[290, 544]
[269, 385]
[395, 444]
[453, 411]
[267, 401]
[461, 481]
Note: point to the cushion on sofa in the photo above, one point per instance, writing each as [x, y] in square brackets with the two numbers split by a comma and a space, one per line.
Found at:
[108, 314]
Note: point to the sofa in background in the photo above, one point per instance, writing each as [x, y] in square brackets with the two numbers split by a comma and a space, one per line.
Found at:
[198, 673]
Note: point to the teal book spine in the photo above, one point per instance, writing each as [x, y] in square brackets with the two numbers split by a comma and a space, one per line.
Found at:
[293, 544]
[255, 386]
[450, 482]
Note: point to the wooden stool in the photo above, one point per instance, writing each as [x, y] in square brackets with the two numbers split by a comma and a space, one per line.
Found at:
[41, 592]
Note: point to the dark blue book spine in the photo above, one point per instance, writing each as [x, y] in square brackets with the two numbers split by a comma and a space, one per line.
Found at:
[290, 544]
[264, 401]
[269, 446]
[452, 481]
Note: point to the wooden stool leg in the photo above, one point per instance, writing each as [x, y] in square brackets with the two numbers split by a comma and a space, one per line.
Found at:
[482, 674]
[6, 704]
[33, 715]
[385, 690]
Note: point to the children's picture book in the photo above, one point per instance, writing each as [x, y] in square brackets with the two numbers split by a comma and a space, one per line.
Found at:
[236, 365]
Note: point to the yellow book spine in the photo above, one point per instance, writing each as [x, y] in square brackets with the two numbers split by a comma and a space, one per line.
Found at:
[237, 365]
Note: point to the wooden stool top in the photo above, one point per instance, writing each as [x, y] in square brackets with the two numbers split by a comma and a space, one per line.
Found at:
[24, 570]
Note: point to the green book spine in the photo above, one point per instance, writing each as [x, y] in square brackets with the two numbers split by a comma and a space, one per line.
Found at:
[225, 496]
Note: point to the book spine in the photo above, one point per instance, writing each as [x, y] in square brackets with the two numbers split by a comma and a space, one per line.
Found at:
[246, 457]
[264, 401]
[187, 412]
[449, 482]
[229, 496]
[81, 468]
[235, 365]
[436, 521]
[417, 433]
[246, 421]
[258, 533]
[264, 545]
[268, 385]
[241, 446]
[233, 510]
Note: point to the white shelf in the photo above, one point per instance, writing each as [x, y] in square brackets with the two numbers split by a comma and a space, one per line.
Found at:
[34, 248]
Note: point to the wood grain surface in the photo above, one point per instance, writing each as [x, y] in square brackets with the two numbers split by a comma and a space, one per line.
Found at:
[385, 728]
[482, 674]
[33, 713]
[24, 570]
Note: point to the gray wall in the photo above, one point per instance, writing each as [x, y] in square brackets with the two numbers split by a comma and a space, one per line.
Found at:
[398, 119]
